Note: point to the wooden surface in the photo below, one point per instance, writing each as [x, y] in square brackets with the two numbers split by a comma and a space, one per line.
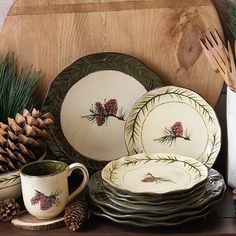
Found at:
[220, 222]
[163, 34]
[27, 221]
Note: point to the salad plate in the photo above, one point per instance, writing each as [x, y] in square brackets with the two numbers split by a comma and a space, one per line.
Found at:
[90, 101]
[173, 120]
[150, 174]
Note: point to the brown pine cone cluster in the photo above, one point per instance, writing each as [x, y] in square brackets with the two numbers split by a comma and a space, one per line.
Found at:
[76, 214]
[234, 194]
[8, 209]
[22, 140]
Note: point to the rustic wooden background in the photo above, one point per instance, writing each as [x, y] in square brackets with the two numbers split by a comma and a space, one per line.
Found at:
[220, 107]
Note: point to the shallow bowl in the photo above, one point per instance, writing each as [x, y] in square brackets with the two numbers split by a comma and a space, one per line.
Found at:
[10, 184]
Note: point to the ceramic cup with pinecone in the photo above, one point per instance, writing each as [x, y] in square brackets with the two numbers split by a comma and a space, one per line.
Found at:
[45, 187]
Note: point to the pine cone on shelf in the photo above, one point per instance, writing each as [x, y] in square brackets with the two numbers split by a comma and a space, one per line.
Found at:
[234, 194]
[22, 140]
[76, 214]
[8, 209]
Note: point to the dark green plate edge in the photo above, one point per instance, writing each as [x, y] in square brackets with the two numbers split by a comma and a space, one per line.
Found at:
[58, 89]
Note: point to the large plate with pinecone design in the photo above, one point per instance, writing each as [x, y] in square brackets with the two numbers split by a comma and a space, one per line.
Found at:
[174, 120]
[154, 174]
[90, 101]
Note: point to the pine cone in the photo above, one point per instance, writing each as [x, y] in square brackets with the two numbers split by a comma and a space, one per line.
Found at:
[100, 108]
[76, 214]
[111, 107]
[100, 120]
[234, 194]
[8, 209]
[23, 139]
[177, 129]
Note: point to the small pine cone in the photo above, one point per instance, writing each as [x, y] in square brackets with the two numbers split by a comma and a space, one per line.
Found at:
[234, 194]
[149, 179]
[177, 129]
[76, 214]
[111, 107]
[8, 209]
[100, 108]
[100, 120]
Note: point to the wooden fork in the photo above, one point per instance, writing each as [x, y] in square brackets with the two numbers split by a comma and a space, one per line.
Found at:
[221, 59]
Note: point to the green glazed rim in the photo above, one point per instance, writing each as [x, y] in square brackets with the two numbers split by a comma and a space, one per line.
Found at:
[43, 168]
[129, 65]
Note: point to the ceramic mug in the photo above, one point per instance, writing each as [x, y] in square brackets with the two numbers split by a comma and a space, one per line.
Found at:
[45, 187]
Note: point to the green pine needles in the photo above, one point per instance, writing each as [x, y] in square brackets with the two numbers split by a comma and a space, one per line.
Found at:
[17, 87]
[231, 9]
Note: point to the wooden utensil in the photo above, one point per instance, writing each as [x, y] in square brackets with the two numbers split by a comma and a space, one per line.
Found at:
[220, 58]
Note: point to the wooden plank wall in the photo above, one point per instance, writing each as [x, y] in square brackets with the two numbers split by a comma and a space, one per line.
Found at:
[221, 105]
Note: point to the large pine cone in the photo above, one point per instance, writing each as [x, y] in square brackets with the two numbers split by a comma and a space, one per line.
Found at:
[22, 140]
[76, 214]
[8, 209]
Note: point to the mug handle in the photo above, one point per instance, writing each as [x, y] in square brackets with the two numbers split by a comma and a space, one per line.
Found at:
[84, 170]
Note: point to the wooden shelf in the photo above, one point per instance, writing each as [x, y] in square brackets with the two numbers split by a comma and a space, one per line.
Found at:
[221, 221]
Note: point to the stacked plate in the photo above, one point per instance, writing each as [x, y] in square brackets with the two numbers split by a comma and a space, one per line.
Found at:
[155, 190]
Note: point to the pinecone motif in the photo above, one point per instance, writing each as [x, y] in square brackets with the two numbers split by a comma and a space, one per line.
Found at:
[177, 129]
[8, 209]
[111, 107]
[149, 178]
[76, 214]
[22, 140]
[100, 108]
[100, 120]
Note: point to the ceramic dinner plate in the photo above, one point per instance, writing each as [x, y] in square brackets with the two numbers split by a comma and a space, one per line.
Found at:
[102, 205]
[174, 120]
[140, 223]
[90, 101]
[213, 192]
[154, 200]
[160, 173]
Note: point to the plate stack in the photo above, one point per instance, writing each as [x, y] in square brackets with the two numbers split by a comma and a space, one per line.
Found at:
[155, 190]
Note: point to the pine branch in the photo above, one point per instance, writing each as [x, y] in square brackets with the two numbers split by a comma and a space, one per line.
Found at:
[16, 87]
[215, 142]
[112, 170]
[168, 159]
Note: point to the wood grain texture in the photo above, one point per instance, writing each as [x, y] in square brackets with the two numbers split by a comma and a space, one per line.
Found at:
[220, 222]
[27, 221]
[163, 34]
